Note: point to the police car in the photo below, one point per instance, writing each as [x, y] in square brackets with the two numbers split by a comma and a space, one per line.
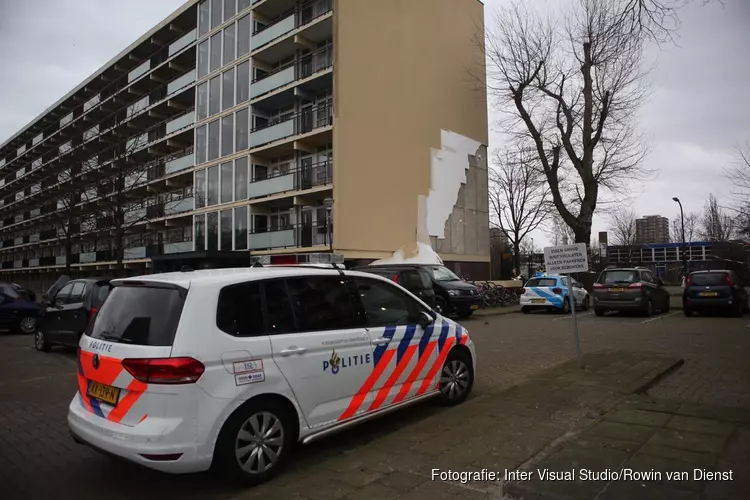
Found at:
[229, 368]
[551, 292]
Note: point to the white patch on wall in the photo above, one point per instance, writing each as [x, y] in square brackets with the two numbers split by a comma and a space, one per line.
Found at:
[448, 168]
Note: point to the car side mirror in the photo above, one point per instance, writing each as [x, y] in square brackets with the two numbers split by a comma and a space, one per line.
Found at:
[425, 319]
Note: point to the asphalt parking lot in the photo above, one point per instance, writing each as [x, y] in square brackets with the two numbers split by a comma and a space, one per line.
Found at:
[38, 459]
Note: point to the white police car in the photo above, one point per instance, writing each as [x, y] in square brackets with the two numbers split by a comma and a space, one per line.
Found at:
[230, 368]
[551, 292]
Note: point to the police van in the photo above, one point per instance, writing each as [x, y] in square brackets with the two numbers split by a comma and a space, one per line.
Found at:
[551, 292]
[230, 368]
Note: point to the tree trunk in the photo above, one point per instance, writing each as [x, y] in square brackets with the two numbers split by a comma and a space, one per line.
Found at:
[517, 256]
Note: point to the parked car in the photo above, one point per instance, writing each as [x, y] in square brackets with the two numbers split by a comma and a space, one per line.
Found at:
[452, 294]
[68, 309]
[552, 292]
[14, 290]
[418, 280]
[228, 369]
[630, 289]
[18, 314]
[715, 290]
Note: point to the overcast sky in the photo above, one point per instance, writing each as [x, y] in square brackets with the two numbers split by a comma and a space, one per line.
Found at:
[699, 109]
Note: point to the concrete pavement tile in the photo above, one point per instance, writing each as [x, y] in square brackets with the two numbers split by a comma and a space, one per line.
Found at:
[629, 490]
[647, 404]
[721, 413]
[402, 481]
[737, 487]
[592, 441]
[702, 425]
[358, 478]
[690, 457]
[438, 490]
[648, 464]
[639, 417]
[690, 441]
[739, 446]
[312, 488]
[625, 432]
[373, 491]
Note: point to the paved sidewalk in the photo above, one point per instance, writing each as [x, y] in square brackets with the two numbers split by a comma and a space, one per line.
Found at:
[650, 449]
[494, 431]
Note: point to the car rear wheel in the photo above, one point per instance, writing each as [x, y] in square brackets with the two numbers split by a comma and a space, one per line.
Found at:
[739, 311]
[566, 306]
[525, 310]
[585, 305]
[255, 441]
[667, 305]
[27, 325]
[649, 309]
[40, 342]
[456, 378]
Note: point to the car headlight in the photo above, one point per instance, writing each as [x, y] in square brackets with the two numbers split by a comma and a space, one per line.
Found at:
[453, 293]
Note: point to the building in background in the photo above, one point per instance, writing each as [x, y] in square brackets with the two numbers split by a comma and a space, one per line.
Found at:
[651, 229]
[214, 136]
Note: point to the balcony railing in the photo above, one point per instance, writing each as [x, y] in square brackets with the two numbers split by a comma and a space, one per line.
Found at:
[290, 20]
[178, 164]
[303, 177]
[139, 70]
[183, 42]
[178, 247]
[297, 70]
[179, 206]
[294, 124]
[181, 122]
[291, 235]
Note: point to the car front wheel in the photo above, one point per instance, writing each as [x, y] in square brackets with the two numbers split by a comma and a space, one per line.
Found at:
[40, 342]
[456, 378]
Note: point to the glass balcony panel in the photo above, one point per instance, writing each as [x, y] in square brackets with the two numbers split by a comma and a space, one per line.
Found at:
[181, 122]
[85, 257]
[136, 142]
[179, 247]
[134, 253]
[273, 32]
[270, 186]
[139, 71]
[272, 133]
[272, 239]
[33, 262]
[177, 206]
[183, 42]
[178, 164]
[60, 260]
[91, 103]
[181, 82]
[272, 82]
[137, 106]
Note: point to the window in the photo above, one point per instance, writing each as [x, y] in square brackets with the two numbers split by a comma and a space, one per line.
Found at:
[213, 140]
[441, 273]
[215, 52]
[261, 172]
[240, 179]
[226, 182]
[227, 135]
[225, 228]
[227, 99]
[203, 19]
[214, 96]
[412, 280]
[647, 277]
[139, 315]
[202, 107]
[212, 231]
[229, 6]
[63, 295]
[215, 13]
[76, 293]
[239, 311]
[199, 224]
[101, 291]
[240, 228]
[383, 304]
[278, 308]
[708, 279]
[259, 122]
[614, 277]
[229, 44]
[213, 186]
[203, 59]
[243, 82]
[243, 36]
[543, 282]
[321, 303]
[200, 188]
[243, 4]
[241, 129]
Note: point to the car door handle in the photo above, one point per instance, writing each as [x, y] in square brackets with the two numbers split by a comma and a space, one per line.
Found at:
[292, 350]
[381, 341]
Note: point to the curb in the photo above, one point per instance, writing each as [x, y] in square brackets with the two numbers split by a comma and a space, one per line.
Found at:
[655, 378]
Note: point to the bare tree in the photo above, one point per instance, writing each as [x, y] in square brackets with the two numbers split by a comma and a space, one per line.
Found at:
[558, 231]
[715, 224]
[739, 175]
[519, 198]
[623, 227]
[67, 215]
[691, 228]
[573, 93]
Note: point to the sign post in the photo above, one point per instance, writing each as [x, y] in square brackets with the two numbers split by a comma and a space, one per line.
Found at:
[567, 259]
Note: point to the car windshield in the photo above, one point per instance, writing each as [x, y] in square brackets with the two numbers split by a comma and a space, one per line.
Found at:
[615, 277]
[542, 282]
[441, 273]
[708, 279]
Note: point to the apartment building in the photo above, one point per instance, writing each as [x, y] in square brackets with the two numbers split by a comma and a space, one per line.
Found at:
[651, 229]
[214, 136]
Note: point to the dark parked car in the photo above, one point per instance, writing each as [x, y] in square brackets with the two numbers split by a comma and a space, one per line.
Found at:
[715, 290]
[12, 289]
[630, 289]
[18, 314]
[452, 294]
[70, 305]
[417, 280]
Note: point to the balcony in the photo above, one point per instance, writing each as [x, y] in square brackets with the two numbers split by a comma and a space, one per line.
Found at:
[182, 42]
[303, 68]
[281, 238]
[179, 206]
[85, 257]
[295, 20]
[293, 124]
[181, 82]
[276, 29]
[180, 122]
[134, 253]
[178, 247]
[178, 164]
[139, 71]
[304, 177]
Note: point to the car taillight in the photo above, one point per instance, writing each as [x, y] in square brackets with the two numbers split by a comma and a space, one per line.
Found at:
[523, 290]
[729, 280]
[165, 370]
[395, 278]
[598, 285]
[689, 282]
[635, 285]
[557, 291]
[93, 312]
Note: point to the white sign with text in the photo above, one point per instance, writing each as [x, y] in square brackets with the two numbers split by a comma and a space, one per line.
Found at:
[565, 259]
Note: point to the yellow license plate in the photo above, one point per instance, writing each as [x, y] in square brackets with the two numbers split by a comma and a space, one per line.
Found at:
[709, 294]
[105, 393]
[538, 301]
[617, 290]
[475, 306]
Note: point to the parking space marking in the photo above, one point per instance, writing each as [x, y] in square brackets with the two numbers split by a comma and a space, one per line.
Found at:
[659, 317]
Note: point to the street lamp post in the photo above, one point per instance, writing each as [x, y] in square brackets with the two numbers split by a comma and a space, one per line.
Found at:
[684, 246]
[328, 204]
